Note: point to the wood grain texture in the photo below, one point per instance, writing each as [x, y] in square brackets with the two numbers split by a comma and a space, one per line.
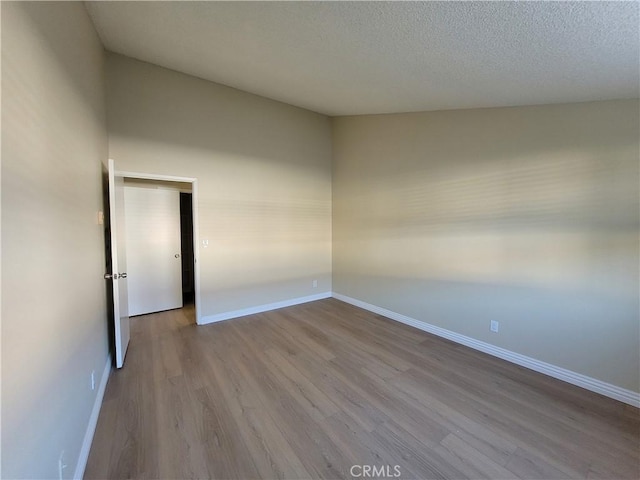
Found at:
[311, 390]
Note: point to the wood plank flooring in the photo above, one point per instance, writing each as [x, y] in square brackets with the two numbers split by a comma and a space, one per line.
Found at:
[312, 390]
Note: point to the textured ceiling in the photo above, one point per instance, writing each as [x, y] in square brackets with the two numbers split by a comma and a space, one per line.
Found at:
[345, 58]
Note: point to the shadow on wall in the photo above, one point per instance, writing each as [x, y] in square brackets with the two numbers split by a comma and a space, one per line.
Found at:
[60, 56]
[153, 105]
[264, 178]
[558, 221]
[529, 216]
[573, 192]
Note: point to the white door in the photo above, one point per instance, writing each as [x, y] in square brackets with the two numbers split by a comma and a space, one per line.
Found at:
[153, 248]
[118, 264]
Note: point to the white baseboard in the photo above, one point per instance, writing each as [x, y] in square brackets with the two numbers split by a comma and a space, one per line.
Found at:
[627, 396]
[93, 422]
[262, 308]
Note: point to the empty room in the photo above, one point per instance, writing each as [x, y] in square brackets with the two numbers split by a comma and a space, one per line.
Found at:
[337, 240]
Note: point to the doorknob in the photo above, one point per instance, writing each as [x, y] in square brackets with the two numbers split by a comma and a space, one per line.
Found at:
[115, 276]
[177, 255]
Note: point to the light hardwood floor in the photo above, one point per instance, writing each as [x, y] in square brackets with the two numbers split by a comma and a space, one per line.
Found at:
[312, 390]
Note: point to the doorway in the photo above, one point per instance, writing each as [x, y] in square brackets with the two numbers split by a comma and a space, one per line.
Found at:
[185, 190]
[115, 252]
[186, 248]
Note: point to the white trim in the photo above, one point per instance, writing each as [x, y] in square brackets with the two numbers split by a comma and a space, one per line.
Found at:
[612, 391]
[196, 247]
[262, 308]
[93, 422]
[153, 176]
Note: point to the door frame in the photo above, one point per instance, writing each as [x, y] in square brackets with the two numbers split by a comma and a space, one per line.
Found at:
[196, 236]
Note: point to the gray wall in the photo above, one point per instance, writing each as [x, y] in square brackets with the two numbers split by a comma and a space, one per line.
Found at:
[54, 327]
[264, 173]
[528, 216]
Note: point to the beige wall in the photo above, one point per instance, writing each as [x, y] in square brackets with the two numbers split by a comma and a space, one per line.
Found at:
[528, 216]
[54, 326]
[264, 178]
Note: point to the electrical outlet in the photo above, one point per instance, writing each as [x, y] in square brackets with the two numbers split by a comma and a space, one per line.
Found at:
[93, 380]
[314, 284]
[495, 326]
[62, 464]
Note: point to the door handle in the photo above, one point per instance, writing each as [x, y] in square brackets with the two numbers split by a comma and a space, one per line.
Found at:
[177, 255]
[115, 276]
